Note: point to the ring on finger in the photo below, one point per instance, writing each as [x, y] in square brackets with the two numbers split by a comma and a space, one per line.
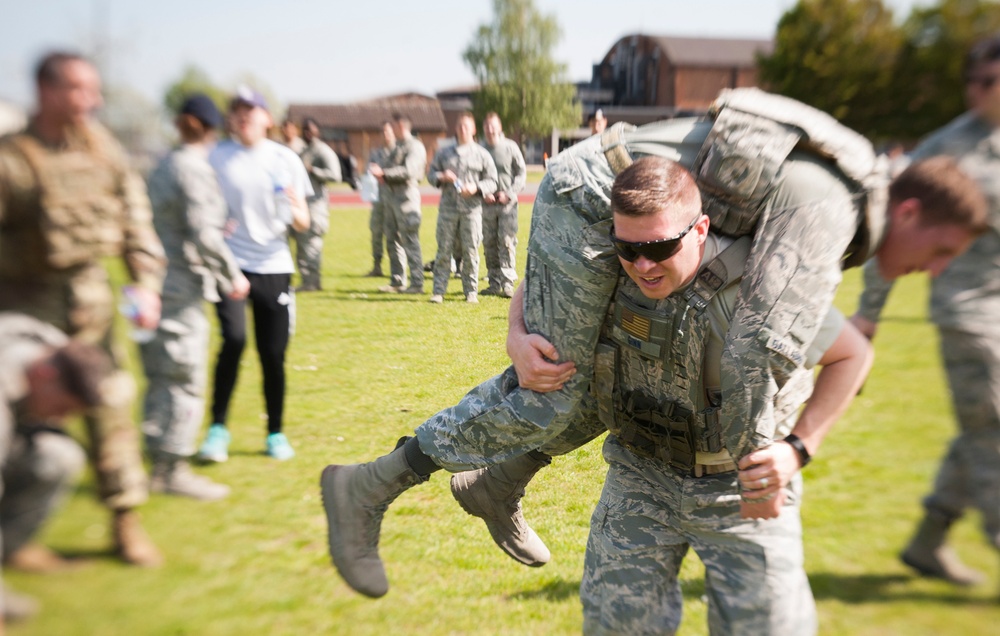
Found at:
[763, 482]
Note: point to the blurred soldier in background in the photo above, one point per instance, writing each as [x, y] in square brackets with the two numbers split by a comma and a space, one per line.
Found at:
[44, 377]
[404, 170]
[189, 214]
[68, 199]
[290, 136]
[322, 165]
[965, 305]
[380, 211]
[597, 122]
[500, 209]
[465, 173]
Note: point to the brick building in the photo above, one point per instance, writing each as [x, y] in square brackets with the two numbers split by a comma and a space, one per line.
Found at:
[675, 75]
[355, 129]
[642, 78]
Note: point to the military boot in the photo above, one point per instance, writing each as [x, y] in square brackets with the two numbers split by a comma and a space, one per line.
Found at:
[38, 559]
[355, 498]
[494, 495]
[928, 555]
[172, 476]
[132, 543]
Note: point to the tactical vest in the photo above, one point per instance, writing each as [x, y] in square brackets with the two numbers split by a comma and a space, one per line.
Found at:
[82, 213]
[648, 372]
[752, 134]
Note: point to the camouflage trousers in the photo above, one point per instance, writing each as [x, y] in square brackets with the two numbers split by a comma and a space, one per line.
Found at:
[644, 524]
[309, 244]
[969, 475]
[176, 366]
[458, 233]
[38, 469]
[81, 303]
[500, 244]
[402, 238]
[376, 225]
[571, 273]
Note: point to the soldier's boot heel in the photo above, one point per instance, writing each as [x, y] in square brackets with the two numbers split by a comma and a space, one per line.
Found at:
[494, 495]
[355, 499]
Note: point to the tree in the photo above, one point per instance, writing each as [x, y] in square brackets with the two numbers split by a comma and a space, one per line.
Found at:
[929, 87]
[839, 56]
[193, 80]
[511, 58]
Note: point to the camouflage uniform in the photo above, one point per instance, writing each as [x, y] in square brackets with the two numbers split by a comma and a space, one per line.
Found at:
[377, 220]
[322, 165]
[403, 171]
[810, 215]
[61, 211]
[188, 214]
[965, 303]
[461, 217]
[39, 463]
[500, 219]
[659, 360]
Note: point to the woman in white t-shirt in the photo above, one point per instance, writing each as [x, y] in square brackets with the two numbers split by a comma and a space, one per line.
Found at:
[265, 186]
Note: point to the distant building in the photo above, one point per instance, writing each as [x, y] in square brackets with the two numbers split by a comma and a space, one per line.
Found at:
[646, 78]
[355, 129]
[641, 79]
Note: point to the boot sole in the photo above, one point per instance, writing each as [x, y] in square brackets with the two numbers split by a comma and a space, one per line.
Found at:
[328, 489]
[459, 489]
[931, 573]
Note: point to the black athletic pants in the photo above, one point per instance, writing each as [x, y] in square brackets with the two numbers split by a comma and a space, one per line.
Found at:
[273, 305]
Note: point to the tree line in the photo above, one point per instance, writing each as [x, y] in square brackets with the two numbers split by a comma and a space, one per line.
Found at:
[887, 80]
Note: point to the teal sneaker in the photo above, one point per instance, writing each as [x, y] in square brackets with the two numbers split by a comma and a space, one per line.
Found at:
[216, 445]
[278, 447]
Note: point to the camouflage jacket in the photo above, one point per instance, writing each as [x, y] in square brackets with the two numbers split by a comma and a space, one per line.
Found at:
[69, 206]
[511, 171]
[189, 214]
[472, 163]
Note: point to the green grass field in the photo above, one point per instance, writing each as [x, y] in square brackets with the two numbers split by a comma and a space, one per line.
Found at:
[366, 368]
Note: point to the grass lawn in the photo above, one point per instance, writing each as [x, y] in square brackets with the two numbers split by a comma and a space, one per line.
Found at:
[364, 369]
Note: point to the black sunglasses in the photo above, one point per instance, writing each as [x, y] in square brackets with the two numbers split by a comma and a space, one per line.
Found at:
[985, 81]
[658, 250]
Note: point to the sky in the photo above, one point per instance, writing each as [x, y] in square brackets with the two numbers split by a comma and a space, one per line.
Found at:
[335, 51]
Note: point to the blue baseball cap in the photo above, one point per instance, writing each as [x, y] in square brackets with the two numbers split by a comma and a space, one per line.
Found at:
[202, 108]
[249, 97]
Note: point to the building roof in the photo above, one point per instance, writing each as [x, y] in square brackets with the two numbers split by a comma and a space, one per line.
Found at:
[712, 51]
[423, 111]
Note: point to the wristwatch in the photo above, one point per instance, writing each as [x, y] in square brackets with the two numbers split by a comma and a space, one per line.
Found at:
[800, 448]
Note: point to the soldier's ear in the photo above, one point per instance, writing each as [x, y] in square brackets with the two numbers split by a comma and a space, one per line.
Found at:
[702, 227]
[907, 212]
